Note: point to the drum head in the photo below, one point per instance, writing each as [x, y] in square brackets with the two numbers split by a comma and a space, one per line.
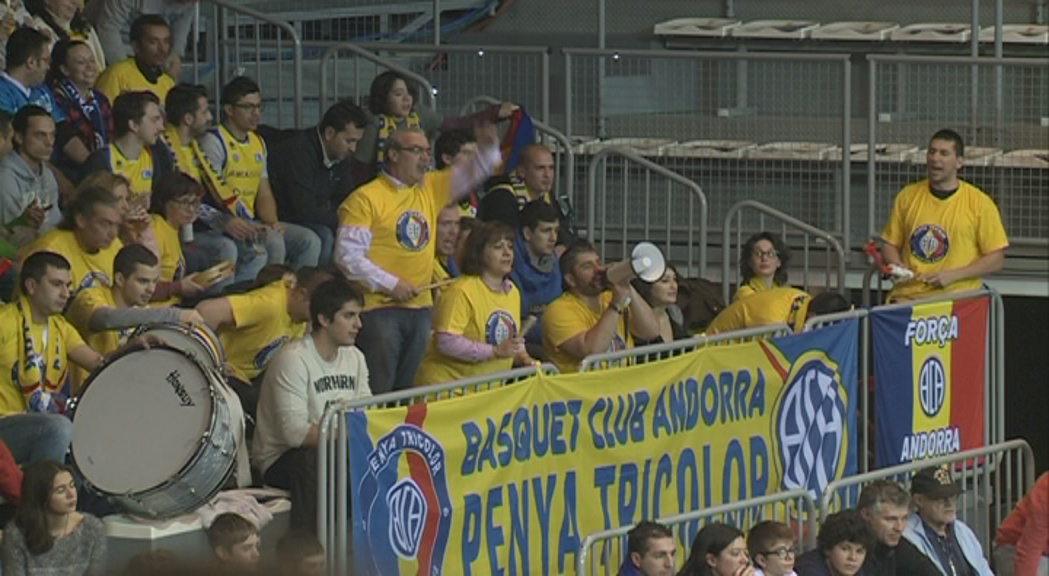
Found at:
[141, 419]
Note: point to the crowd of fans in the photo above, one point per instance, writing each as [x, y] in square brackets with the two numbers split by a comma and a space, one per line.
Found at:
[346, 259]
[889, 533]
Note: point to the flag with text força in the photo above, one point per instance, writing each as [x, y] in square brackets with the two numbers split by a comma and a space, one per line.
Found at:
[929, 370]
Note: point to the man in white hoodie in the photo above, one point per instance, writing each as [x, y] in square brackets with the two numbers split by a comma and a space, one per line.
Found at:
[319, 369]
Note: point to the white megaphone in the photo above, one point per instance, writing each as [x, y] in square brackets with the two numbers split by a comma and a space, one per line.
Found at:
[646, 262]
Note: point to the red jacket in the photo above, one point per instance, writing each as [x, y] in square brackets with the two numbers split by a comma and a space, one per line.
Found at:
[1027, 528]
[10, 476]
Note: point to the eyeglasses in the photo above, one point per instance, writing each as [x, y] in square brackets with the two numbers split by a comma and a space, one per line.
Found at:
[249, 107]
[783, 552]
[759, 254]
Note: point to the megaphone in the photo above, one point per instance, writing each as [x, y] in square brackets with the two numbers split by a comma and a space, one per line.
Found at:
[646, 262]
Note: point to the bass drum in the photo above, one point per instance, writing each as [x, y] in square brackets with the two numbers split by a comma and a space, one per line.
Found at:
[199, 341]
[156, 431]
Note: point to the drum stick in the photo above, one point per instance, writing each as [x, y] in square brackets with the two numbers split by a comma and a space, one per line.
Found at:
[433, 285]
[529, 323]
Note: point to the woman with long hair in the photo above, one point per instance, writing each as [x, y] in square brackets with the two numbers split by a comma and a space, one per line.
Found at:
[391, 105]
[72, 79]
[477, 320]
[174, 204]
[64, 20]
[48, 535]
[718, 550]
[661, 296]
[762, 264]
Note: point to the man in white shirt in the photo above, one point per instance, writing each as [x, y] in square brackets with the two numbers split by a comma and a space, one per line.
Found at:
[307, 375]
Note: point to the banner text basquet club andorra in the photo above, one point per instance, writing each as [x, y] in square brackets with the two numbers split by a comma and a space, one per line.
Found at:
[509, 481]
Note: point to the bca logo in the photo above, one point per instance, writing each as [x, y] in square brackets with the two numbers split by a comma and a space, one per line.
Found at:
[932, 386]
[810, 424]
[499, 327]
[929, 243]
[413, 231]
[407, 511]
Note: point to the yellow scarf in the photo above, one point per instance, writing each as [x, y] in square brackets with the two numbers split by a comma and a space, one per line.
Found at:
[30, 375]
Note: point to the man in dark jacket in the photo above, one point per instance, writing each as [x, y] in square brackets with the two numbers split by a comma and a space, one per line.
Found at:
[885, 506]
[311, 172]
[650, 551]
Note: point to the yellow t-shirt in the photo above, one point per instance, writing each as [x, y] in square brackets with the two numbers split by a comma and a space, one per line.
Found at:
[103, 342]
[784, 305]
[754, 286]
[469, 308]
[172, 261]
[124, 76]
[88, 270]
[569, 315]
[263, 326]
[935, 234]
[243, 168]
[403, 223]
[139, 172]
[20, 383]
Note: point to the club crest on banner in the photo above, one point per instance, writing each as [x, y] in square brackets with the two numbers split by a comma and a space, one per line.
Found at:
[413, 231]
[810, 425]
[932, 386]
[406, 503]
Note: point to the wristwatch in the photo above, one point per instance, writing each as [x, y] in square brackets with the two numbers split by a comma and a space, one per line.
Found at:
[620, 308]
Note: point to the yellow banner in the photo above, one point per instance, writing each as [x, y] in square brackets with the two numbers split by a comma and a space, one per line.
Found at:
[510, 481]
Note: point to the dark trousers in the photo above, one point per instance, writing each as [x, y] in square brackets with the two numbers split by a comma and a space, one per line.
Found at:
[394, 342]
[296, 472]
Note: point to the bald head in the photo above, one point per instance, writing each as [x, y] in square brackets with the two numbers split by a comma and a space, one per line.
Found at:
[537, 170]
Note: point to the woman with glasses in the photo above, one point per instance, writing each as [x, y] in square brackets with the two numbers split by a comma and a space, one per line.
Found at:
[718, 550]
[72, 77]
[762, 264]
[391, 105]
[176, 198]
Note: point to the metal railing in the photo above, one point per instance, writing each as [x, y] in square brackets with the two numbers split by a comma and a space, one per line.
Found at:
[451, 73]
[564, 169]
[333, 468]
[837, 262]
[796, 508]
[610, 359]
[635, 209]
[993, 479]
[229, 51]
[995, 113]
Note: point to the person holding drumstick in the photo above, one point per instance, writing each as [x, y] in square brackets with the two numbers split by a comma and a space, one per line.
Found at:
[105, 317]
[477, 320]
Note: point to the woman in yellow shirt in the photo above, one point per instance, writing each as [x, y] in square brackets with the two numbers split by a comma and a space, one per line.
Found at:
[477, 320]
[174, 204]
[762, 265]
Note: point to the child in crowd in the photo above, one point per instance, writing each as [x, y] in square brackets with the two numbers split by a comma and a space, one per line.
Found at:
[841, 547]
[772, 549]
[235, 542]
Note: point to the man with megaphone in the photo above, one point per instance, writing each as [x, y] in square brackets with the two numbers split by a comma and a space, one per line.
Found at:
[599, 311]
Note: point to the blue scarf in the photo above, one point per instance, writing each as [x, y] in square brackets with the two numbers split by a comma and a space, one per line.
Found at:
[89, 106]
[537, 288]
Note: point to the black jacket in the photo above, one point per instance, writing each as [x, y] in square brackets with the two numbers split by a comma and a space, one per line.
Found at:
[306, 192]
[903, 560]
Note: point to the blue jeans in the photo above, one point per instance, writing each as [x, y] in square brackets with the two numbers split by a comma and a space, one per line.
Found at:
[220, 247]
[31, 437]
[298, 246]
[393, 341]
[327, 242]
